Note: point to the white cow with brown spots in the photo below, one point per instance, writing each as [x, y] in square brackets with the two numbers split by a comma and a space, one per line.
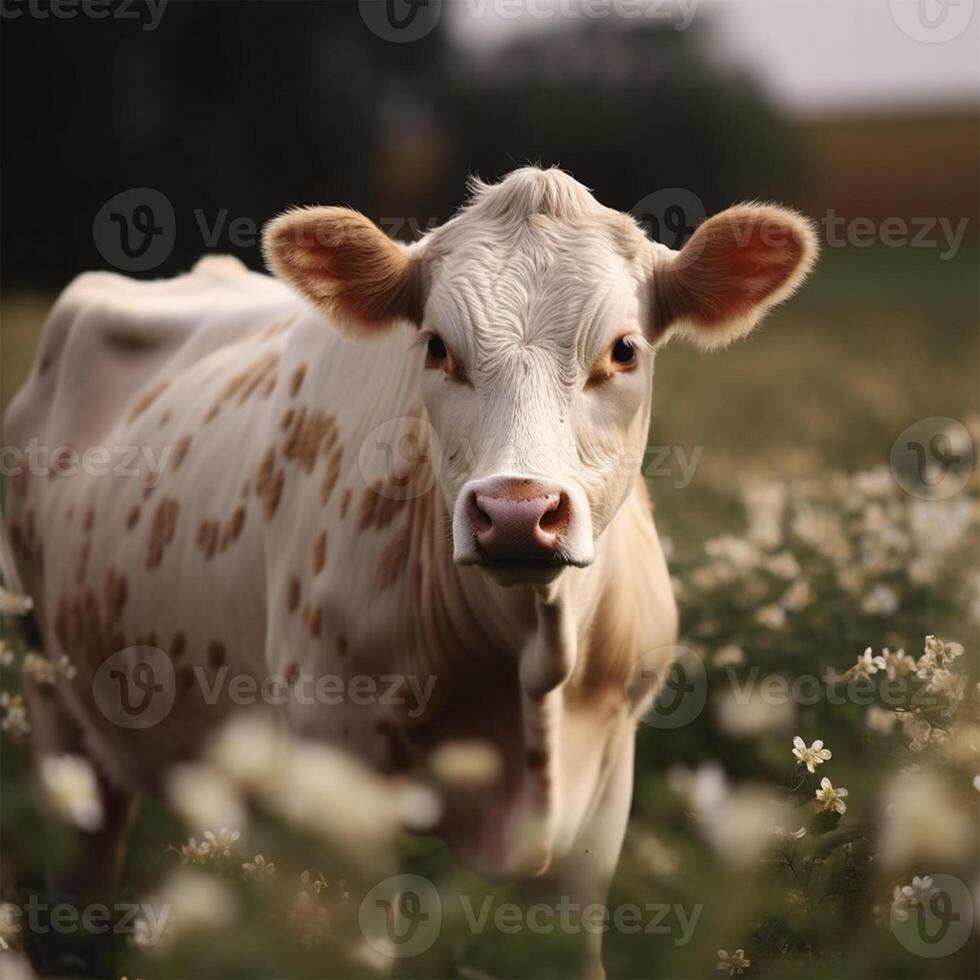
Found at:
[419, 461]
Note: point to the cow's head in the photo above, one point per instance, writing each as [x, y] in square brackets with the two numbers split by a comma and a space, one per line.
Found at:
[539, 312]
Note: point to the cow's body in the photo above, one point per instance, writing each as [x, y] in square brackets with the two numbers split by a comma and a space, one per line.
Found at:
[467, 529]
[208, 374]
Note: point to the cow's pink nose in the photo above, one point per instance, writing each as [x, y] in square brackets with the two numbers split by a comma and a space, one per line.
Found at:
[523, 522]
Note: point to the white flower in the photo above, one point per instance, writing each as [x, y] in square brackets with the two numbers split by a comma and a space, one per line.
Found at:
[734, 963]
[811, 756]
[38, 668]
[784, 565]
[785, 834]
[316, 885]
[204, 797]
[880, 601]
[7, 655]
[730, 656]
[938, 655]
[190, 902]
[772, 617]
[258, 869]
[900, 905]
[194, 853]
[466, 764]
[897, 664]
[220, 844]
[831, 798]
[923, 819]
[16, 722]
[798, 596]
[14, 604]
[865, 665]
[880, 720]
[919, 890]
[72, 788]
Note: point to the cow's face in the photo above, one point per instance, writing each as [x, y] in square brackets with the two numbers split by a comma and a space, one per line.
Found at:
[539, 313]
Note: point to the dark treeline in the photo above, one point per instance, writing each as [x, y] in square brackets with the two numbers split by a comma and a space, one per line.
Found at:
[236, 110]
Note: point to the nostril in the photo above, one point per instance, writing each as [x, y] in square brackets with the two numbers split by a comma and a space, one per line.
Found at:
[479, 518]
[556, 517]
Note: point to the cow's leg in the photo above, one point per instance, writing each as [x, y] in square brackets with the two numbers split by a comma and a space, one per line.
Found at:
[588, 869]
[54, 732]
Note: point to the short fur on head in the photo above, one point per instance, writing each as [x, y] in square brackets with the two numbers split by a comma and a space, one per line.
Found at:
[532, 291]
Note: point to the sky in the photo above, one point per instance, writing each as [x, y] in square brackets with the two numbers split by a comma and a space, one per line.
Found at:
[813, 54]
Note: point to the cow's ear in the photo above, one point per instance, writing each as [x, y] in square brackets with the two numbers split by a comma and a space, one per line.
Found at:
[347, 266]
[735, 266]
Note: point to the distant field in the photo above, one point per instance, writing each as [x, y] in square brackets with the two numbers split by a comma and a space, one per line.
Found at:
[877, 339]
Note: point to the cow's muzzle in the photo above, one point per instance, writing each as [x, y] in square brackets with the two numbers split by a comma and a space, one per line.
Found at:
[521, 528]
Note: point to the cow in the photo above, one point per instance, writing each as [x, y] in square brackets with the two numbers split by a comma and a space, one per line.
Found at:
[419, 461]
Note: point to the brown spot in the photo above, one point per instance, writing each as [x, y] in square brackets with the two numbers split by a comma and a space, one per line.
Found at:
[178, 645]
[149, 396]
[132, 516]
[162, 530]
[82, 566]
[61, 464]
[296, 381]
[260, 375]
[319, 552]
[89, 521]
[115, 595]
[69, 514]
[165, 418]
[269, 483]
[207, 537]
[233, 528]
[287, 419]
[345, 502]
[331, 474]
[216, 654]
[246, 488]
[377, 510]
[341, 645]
[180, 450]
[393, 558]
[150, 480]
[293, 594]
[291, 673]
[45, 364]
[308, 435]
[313, 617]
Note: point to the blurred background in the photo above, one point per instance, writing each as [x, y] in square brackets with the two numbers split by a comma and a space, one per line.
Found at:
[862, 115]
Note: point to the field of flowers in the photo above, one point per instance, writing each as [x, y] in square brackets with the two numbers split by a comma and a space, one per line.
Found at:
[807, 797]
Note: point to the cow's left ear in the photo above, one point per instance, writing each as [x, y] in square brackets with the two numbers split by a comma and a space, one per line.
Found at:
[347, 266]
[735, 266]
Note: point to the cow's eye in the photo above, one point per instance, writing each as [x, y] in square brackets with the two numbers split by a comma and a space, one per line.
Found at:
[623, 352]
[435, 351]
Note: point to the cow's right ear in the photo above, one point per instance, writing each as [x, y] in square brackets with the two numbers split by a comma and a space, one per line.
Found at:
[347, 266]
